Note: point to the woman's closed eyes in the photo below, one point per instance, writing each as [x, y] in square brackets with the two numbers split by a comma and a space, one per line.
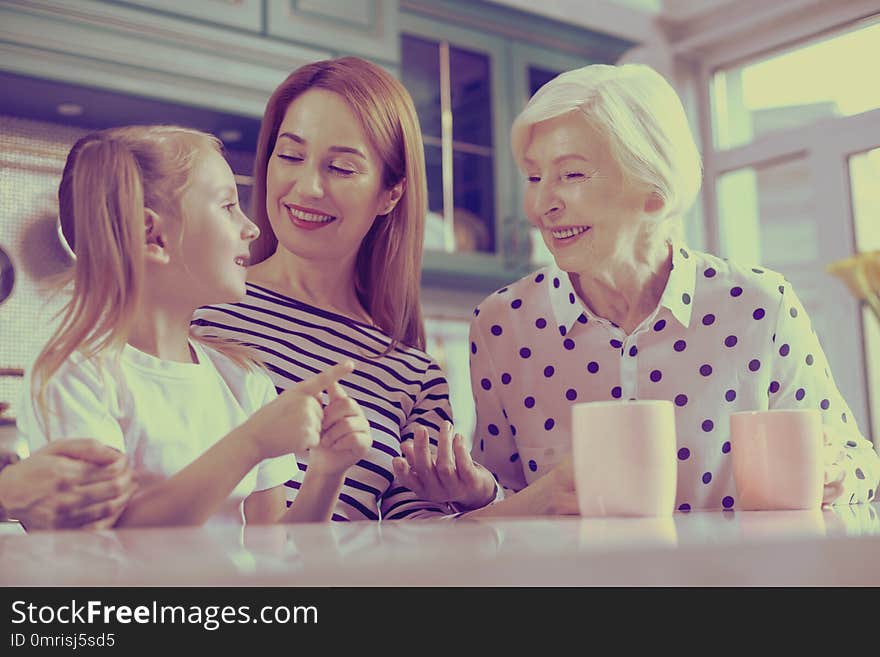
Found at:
[341, 169]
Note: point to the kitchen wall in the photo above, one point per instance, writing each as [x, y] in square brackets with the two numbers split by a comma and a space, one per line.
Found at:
[32, 156]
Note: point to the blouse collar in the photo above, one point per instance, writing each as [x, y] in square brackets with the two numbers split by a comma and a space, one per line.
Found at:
[677, 297]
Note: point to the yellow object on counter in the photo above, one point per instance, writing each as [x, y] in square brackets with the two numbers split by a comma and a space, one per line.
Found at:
[861, 274]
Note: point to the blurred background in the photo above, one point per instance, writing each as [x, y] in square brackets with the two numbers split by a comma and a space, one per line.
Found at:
[783, 98]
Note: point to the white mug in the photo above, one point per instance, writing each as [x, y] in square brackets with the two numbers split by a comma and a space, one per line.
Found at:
[777, 459]
[625, 458]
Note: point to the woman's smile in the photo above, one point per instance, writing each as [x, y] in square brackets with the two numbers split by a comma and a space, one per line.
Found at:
[566, 235]
[307, 218]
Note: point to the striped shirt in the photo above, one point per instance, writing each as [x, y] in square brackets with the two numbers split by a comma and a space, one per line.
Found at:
[395, 391]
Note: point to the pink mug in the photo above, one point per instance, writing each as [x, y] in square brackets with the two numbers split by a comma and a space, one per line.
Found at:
[624, 455]
[777, 459]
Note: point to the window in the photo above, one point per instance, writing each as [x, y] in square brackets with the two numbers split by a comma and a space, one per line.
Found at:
[828, 76]
[794, 132]
[864, 176]
[452, 90]
[763, 215]
[538, 77]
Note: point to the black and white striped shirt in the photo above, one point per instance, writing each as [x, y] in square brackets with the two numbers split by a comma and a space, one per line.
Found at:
[396, 391]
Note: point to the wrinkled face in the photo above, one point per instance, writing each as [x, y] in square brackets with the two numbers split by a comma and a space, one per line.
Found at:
[214, 251]
[577, 195]
[324, 180]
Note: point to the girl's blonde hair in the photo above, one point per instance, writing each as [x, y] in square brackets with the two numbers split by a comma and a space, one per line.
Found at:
[389, 261]
[110, 178]
[642, 117]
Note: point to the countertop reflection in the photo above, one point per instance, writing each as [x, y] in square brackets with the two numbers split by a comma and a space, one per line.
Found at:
[832, 546]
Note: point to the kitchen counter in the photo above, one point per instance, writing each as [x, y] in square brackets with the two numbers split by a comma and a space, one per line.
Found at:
[838, 547]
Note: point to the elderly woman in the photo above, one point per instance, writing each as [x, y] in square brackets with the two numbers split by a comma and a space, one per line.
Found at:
[628, 311]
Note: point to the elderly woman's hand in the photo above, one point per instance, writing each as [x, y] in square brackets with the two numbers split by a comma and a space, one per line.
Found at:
[556, 491]
[551, 495]
[70, 483]
[450, 477]
[834, 471]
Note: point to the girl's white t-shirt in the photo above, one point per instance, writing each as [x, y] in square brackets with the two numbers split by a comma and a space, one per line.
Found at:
[162, 414]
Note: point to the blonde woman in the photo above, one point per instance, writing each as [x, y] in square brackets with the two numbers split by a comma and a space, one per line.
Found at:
[340, 201]
[152, 215]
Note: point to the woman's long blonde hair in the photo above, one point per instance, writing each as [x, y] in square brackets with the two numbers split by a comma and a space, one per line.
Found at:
[110, 178]
[389, 261]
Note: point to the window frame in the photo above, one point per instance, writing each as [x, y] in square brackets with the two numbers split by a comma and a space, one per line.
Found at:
[826, 144]
[495, 49]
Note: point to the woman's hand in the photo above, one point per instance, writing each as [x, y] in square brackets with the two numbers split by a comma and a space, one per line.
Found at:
[450, 477]
[834, 472]
[556, 490]
[551, 495]
[292, 421]
[70, 483]
[345, 435]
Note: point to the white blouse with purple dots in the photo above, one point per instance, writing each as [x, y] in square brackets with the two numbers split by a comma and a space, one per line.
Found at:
[723, 338]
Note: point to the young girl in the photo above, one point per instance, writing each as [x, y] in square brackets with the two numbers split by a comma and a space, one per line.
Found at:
[152, 214]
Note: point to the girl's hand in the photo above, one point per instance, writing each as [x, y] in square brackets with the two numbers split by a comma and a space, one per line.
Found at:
[292, 421]
[450, 477]
[345, 435]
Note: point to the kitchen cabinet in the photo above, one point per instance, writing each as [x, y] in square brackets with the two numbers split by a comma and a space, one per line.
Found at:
[367, 28]
[241, 14]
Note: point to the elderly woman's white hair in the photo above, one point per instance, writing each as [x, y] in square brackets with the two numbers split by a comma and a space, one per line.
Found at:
[639, 113]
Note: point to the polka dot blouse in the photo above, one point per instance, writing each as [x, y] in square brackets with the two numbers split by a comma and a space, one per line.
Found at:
[723, 338]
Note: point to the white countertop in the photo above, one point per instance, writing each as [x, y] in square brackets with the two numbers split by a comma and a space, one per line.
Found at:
[829, 547]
